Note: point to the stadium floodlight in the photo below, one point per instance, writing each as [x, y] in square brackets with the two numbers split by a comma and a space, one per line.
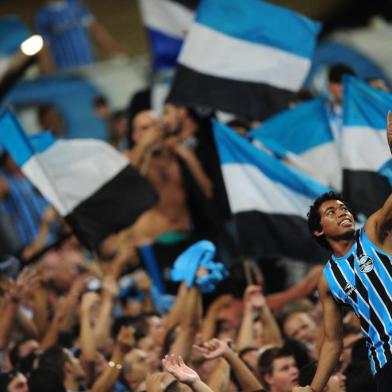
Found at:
[20, 61]
[32, 45]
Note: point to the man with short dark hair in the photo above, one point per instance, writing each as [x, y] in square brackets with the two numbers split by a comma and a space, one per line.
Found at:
[65, 364]
[278, 370]
[358, 274]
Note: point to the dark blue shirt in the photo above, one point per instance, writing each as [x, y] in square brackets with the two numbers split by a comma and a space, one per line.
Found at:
[64, 27]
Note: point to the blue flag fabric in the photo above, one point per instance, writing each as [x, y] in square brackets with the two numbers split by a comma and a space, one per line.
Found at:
[259, 55]
[366, 158]
[268, 199]
[89, 183]
[303, 138]
[167, 23]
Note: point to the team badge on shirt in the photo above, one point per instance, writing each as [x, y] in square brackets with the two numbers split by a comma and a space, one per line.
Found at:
[366, 264]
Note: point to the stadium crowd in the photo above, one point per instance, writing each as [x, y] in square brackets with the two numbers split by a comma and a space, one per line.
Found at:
[76, 320]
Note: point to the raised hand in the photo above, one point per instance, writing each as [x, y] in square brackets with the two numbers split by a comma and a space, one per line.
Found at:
[109, 286]
[79, 284]
[175, 365]
[253, 297]
[150, 136]
[26, 283]
[214, 348]
[89, 300]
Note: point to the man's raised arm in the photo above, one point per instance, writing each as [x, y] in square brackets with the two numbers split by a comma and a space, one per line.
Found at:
[332, 343]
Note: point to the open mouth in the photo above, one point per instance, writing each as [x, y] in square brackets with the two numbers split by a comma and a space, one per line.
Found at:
[295, 381]
[345, 222]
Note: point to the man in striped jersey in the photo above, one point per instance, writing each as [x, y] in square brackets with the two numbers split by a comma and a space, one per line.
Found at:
[358, 274]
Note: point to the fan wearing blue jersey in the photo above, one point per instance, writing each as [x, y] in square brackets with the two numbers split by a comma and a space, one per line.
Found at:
[358, 274]
[67, 26]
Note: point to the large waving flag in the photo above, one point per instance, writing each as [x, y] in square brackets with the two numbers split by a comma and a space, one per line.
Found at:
[366, 158]
[268, 199]
[244, 57]
[89, 183]
[167, 22]
[303, 138]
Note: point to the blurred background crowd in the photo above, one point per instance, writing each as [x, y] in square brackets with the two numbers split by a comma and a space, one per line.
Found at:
[194, 294]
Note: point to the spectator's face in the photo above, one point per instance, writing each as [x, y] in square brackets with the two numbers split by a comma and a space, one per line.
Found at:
[52, 121]
[284, 375]
[61, 266]
[301, 327]
[18, 384]
[135, 369]
[102, 110]
[336, 220]
[171, 119]
[336, 92]
[231, 314]
[144, 122]
[155, 329]
[120, 126]
[153, 351]
[133, 308]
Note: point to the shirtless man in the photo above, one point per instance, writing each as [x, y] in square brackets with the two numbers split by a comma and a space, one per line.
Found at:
[157, 156]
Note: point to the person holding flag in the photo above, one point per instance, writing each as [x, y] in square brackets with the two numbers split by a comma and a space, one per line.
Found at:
[358, 274]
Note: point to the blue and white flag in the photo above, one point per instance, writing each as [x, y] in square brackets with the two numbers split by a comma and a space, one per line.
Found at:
[244, 57]
[268, 199]
[88, 182]
[366, 158]
[303, 138]
[167, 23]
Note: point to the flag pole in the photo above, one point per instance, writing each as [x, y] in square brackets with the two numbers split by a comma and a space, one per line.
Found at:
[247, 266]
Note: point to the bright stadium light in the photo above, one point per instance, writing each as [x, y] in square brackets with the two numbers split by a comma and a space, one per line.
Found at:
[19, 62]
[31, 46]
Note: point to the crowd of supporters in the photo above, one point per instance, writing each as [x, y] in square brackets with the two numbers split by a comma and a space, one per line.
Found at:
[74, 320]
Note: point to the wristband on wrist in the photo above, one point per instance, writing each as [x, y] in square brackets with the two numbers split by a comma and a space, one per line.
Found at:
[115, 365]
